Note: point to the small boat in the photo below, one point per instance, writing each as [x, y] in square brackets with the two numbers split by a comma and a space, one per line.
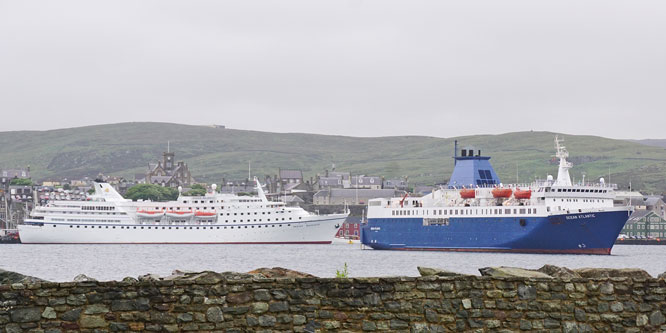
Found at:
[204, 214]
[501, 192]
[180, 214]
[150, 213]
[522, 194]
[467, 193]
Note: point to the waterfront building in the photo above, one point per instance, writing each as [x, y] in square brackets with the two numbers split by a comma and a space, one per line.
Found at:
[290, 176]
[168, 172]
[351, 229]
[366, 182]
[6, 175]
[645, 224]
[330, 182]
[396, 184]
[341, 196]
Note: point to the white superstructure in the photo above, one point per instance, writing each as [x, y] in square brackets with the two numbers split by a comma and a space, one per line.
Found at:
[214, 218]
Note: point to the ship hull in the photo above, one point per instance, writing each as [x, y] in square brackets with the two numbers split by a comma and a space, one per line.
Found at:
[320, 230]
[580, 233]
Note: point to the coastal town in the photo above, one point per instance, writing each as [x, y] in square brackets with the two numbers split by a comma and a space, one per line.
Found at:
[327, 191]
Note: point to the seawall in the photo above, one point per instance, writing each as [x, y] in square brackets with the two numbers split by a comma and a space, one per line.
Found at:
[223, 302]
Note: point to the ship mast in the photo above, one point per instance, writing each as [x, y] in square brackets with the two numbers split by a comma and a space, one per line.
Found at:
[563, 178]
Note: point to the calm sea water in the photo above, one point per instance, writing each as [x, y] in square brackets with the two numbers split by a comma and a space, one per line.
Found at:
[113, 262]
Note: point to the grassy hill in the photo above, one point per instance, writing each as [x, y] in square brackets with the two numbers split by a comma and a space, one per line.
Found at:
[653, 142]
[212, 153]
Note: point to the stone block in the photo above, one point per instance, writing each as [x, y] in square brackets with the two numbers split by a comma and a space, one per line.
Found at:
[214, 314]
[49, 313]
[25, 315]
[87, 321]
[657, 318]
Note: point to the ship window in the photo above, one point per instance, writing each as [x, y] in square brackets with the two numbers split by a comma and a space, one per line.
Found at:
[507, 211]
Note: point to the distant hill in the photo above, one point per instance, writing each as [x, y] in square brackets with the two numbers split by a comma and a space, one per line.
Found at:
[653, 142]
[212, 153]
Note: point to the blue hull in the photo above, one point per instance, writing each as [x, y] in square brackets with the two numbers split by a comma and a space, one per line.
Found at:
[585, 233]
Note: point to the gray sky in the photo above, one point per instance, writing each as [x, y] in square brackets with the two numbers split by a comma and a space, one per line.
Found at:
[362, 68]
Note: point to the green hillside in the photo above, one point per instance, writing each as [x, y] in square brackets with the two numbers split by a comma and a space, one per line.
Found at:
[212, 153]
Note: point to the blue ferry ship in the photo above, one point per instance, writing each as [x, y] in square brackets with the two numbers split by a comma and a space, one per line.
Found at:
[476, 212]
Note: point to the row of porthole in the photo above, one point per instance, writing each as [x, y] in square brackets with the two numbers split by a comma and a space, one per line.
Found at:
[255, 220]
[164, 228]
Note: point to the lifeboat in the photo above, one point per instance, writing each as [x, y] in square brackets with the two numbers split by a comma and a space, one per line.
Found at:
[204, 215]
[467, 193]
[522, 194]
[501, 192]
[180, 214]
[150, 213]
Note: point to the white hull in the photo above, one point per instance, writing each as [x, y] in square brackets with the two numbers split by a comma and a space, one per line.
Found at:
[316, 229]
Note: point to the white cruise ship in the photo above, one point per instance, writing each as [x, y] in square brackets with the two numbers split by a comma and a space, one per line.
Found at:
[214, 218]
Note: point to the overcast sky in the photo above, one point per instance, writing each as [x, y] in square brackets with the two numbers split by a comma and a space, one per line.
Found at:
[362, 68]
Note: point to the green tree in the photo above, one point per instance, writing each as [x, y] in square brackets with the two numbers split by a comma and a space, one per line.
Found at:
[21, 181]
[66, 187]
[151, 192]
[196, 190]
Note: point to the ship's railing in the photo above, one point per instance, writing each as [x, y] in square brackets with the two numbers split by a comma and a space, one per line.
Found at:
[547, 183]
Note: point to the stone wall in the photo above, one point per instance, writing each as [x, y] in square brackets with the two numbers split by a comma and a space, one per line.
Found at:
[217, 302]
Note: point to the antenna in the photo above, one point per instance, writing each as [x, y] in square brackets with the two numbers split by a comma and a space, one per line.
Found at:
[455, 152]
[168, 147]
[249, 170]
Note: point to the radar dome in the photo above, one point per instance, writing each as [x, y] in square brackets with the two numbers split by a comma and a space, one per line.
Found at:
[180, 189]
[214, 187]
[602, 180]
[549, 178]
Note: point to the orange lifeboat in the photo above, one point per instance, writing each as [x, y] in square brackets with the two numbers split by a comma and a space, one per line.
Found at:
[501, 192]
[467, 193]
[204, 214]
[522, 194]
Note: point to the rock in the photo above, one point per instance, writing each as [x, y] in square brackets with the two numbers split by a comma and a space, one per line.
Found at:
[71, 315]
[428, 271]
[92, 321]
[662, 276]
[559, 272]
[49, 313]
[657, 318]
[503, 271]
[25, 315]
[7, 277]
[591, 273]
[149, 277]
[278, 272]
[299, 320]
[214, 315]
[177, 272]
[96, 309]
[130, 279]
[82, 278]
[205, 277]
